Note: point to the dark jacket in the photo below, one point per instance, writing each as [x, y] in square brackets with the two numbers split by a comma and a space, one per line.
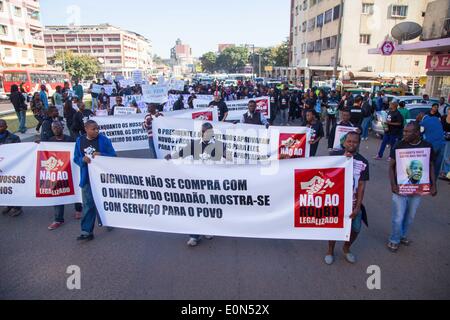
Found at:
[18, 101]
[46, 130]
[9, 138]
[105, 148]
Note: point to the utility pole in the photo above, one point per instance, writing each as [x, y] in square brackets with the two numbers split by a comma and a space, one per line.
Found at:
[338, 45]
[259, 55]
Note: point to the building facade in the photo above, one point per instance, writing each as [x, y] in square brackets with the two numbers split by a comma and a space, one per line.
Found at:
[21, 35]
[364, 24]
[119, 51]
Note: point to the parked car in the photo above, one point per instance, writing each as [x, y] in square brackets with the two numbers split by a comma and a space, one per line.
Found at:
[380, 117]
[3, 95]
[230, 83]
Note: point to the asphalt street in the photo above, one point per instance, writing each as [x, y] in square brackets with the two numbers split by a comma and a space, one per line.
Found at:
[125, 264]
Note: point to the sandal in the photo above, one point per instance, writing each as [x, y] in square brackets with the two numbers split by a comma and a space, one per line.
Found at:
[392, 247]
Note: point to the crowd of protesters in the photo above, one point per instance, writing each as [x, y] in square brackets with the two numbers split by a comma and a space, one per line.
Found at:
[316, 109]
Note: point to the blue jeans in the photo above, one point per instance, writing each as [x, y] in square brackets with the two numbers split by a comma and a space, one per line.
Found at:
[151, 145]
[387, 139]
[446, 161]
[284, 116]
[89, 211]
[22, 117]
[404, 211]
[365, 127]
[59, 212]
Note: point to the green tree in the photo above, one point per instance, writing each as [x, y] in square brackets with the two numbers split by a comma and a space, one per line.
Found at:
[209, 61]
[78, 66]
[281, 54]
[267, 58]
[232, 59]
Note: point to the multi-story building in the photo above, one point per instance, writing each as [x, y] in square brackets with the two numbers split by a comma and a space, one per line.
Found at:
[119, 51]
[21, 35]
[364, 24]
[181, 58]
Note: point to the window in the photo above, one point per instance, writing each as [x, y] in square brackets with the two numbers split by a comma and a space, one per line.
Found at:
[399, 11]
[16, 76]
[319, 21]
[113, 39]
[416, 63]
[305, 5]
[318, 46]
[333, 42]
[22, 33]
[336, 12]
[364, 38]
[98, 50]
[1, 6]
[326, 43]
[304, 26]
[8, 52]
[97, 39]
[114, 50]
[311, 47]
[18, 11]
[303, 47]
[367, 8]
[25, 54]
[3, 30]
[328, 16]
[312, 2]
[311, 24]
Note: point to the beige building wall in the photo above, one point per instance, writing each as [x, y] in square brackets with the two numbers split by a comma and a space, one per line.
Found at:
[376, 23]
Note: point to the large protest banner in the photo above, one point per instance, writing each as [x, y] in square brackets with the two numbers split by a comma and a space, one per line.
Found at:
[155, 94]
[38, 175]
[341, 134]
[126, 131]
[238, 107]
[413, 171]
[202, 99]
[312, 200]
[128, 100]
[96, 88]
[242, 142]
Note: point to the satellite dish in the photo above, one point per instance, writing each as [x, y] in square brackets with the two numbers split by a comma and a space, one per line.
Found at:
[406, 31]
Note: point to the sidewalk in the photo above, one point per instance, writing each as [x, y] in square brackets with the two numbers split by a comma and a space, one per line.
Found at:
[29, 136]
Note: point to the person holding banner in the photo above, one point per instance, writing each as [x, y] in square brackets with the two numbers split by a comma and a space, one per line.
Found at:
[148, 126]
[221, 107]
[345, 122]
[80, 117]
[119, 104]
[7, 137]
[412, 175]
[317, 132]
[254, 117]
[88, 147]
[59, 136]
[206, 149]
[360, 178]
[46, 132]
[103, 100]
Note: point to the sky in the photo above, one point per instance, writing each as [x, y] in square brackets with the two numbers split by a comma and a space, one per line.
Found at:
[202, 24]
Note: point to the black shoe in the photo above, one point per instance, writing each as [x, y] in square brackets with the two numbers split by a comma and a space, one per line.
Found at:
[15, 212]
[86, 237]
[6, 210]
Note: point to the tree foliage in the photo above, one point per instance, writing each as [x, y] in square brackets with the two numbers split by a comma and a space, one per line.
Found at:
[78, 66]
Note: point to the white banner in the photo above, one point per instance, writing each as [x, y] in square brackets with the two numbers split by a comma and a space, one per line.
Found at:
[176, 85]
[341, 134]
[238, 107]
[242, 142]
[155, 94]
[128, 100]
[201, 98]
[125, 132]
[137, 76]
[38, 175]
[108, 88]
[312, 200]
[126, 82]
[124, 111]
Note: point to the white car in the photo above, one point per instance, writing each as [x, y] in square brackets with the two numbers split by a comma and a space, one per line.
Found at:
[230, 83]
